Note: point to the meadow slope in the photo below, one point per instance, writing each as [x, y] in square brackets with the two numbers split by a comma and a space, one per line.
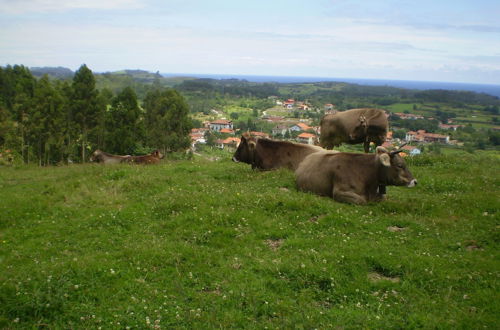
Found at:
[213, 244]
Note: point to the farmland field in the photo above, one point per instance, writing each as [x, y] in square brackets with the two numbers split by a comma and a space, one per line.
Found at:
[213, 244]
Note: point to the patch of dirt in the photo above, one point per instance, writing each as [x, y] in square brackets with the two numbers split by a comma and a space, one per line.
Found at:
[274, 244]
[472, 245]
[396, 228]
[316, 218]
[375, 277]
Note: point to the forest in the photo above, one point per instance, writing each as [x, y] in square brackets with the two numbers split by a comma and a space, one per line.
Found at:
[52, 121]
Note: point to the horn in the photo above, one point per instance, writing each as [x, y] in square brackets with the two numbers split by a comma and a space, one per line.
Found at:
[400, 149]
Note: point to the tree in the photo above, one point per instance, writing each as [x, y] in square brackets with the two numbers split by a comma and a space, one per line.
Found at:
[104, 100]
[125, 127]
[84, 108]
[167, 120]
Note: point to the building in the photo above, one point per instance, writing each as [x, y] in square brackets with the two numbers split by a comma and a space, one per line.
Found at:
[423, 137]
[227, 131]
[411, 150]
[306, 138]
[280, 130]
[329, 107]
[289, 104]
[408, 116]
[219, 124]
[259, 134]
[300, 127]
[448, 127]
[228, 143]
[197, 135]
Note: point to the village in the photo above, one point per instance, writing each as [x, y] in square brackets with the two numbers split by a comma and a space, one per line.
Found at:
[301, 130]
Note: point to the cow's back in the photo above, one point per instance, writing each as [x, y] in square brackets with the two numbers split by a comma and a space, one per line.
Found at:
[314, 173]
[319, 172]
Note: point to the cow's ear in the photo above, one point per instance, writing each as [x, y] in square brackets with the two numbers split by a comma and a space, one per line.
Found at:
[252, 144]
[383, 156]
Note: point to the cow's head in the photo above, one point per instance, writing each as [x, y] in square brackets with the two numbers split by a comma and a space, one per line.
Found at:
[95, 155]
[394, 171]
[359, 132]
[246, 149]
[157, 154]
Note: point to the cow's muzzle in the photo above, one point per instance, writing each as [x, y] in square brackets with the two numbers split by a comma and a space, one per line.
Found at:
[412, 183]
[235, 160]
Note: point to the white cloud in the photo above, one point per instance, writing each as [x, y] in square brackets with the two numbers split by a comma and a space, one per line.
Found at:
[45, 6]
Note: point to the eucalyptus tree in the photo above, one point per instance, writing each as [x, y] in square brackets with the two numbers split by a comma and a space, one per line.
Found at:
[167, 120]
[84, 106]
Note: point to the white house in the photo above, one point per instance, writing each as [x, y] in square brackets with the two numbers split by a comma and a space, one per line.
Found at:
[219, 124]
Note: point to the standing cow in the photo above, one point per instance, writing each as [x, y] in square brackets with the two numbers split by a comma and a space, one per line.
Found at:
[267, 154]
[353, 177]
[354, 126]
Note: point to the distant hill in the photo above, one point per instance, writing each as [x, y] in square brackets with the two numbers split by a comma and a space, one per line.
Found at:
[54, 72]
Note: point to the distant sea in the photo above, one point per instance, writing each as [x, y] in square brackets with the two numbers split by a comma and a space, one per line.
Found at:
[408, 84]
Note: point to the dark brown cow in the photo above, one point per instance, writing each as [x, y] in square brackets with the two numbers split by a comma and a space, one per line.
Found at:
[100, 156]
[153, 158]
[353, 177]
[354, 126]
[267, 154]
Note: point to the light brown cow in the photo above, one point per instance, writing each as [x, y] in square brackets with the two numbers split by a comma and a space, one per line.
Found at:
[267, 154]
[353, 177]
[354, 126]
[100, 156]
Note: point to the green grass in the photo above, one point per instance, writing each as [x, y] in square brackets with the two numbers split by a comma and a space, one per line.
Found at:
[213, 244]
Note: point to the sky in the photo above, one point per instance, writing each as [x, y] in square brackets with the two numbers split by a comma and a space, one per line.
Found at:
[428, 40]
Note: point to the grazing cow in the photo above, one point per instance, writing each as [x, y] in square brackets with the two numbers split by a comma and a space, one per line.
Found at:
[354, 126]
[353, 177]
[266, 154]
[153, 158]
[105, 158]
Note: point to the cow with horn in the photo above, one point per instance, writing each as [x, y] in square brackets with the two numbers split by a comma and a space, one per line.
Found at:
[353, 177]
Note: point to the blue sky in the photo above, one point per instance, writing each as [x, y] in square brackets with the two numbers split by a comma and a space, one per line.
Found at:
[439, 40]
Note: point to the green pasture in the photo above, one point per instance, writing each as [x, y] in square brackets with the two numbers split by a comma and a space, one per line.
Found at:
[208, 243]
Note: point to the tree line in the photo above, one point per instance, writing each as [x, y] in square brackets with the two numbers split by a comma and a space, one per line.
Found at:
[50, 122]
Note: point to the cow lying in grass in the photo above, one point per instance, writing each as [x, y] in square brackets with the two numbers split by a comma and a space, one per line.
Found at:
[266, 154]
[152, 158]
[353, 177]
[105, 158]
[100, 156]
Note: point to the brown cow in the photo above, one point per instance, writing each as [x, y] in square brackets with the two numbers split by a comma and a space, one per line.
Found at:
[353, 177]
[153, 158]
[100, 156]
[354, 126]
[267, 154]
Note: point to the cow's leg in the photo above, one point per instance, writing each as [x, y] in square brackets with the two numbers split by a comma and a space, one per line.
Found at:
[366, 146]
[348, 197]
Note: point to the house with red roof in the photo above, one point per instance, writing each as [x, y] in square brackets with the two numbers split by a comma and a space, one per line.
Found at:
[228, 143]
[423, 137]
[227, 131]
[259, 134]
[300, 127]
[306, 138]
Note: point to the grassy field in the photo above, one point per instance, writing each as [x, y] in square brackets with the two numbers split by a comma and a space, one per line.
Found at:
[213, 244]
